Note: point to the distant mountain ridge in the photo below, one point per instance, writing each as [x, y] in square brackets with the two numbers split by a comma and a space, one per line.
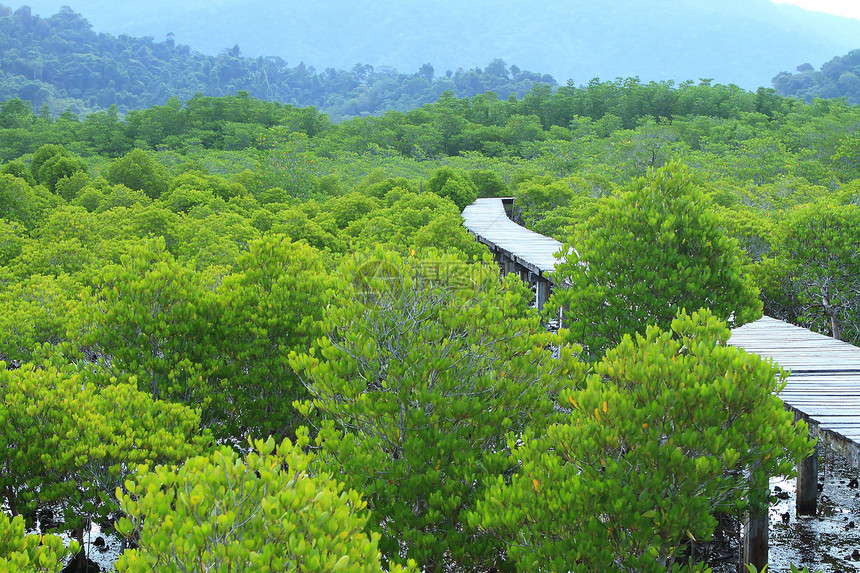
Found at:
[60, 62]
[745, 42]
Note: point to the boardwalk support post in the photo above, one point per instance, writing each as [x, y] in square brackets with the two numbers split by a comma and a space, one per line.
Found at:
[755, 541]
[541, 292]
[807, 484]
[755, 544]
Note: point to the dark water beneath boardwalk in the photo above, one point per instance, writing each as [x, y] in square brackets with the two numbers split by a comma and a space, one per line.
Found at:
[825, 542]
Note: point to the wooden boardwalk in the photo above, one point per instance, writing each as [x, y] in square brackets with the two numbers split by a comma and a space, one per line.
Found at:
[488, 221]
[824, 383]
[823, 386]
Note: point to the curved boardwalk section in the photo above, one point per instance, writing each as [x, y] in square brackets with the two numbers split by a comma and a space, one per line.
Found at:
[824, 383]
[488, 221]
[515, 248]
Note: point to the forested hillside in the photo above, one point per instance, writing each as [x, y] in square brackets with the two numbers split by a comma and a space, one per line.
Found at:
[209, 308]
[744, 42]
[60, 63]
[839, 77]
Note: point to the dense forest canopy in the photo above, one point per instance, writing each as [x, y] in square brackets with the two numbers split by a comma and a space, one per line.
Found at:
[744, 42]
[240, 272]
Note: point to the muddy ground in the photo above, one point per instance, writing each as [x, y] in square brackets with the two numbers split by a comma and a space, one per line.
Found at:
[827, 542]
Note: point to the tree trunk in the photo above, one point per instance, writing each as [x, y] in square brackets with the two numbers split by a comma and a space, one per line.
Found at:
[835, 326]
[9, 494]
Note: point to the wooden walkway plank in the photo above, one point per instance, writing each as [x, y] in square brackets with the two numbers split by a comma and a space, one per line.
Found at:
[823, 385]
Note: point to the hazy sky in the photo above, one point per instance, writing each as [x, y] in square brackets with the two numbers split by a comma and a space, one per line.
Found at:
[850, 8]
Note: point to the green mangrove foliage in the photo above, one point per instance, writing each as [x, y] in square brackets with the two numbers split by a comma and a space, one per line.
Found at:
[644, 256]
[226, 269]
[652, 446]
[265, 511]
[30, 553]
[69, 443]
[817, 254]
[426, 364]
